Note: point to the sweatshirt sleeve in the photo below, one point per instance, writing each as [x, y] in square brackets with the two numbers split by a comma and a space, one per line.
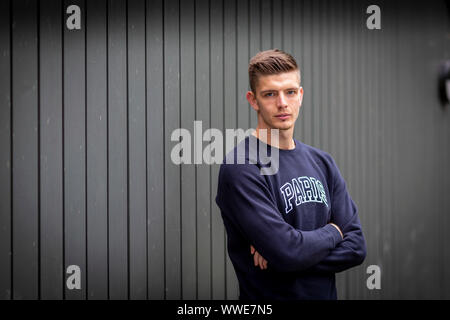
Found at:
[351, 251]
[246, 201]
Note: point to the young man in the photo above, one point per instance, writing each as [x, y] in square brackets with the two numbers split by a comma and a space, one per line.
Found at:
[289, 232]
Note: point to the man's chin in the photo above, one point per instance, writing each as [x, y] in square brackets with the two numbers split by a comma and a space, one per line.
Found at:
[282, 126]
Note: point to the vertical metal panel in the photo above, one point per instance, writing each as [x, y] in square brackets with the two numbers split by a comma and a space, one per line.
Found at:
[51, 140]
[338, 110]
[358, 19]
[395, 165]
[172, 171]
[306, 110]
[390, 118]
[96, 149]
[188, 171]
[357, 282]
[277, 23]
[266, 24]
[323, 81]
[117, 151]
[384, 143]
[25, 184]
[368, 154]
[5, 155]
[438, 50]
[137, 150]
[155, 149]
[408, 227]
[75, 150]
[314, 88]
[348, 130]
[287, 17]
[242, 56]
[218, 249]
[256, 31]
[203, 179]
[230, 114]
[297, 51]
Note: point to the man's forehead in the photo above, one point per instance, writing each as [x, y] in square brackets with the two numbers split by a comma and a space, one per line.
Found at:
[281, 80]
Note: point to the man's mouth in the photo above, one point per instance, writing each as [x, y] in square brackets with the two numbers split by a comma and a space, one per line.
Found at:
[283, 116]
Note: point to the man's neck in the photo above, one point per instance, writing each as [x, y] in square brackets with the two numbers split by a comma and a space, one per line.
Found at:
[285, 138]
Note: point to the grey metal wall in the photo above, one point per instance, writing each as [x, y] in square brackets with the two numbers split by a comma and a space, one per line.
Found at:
[86, 117]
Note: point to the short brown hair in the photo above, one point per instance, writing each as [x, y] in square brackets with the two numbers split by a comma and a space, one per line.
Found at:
[269, 62]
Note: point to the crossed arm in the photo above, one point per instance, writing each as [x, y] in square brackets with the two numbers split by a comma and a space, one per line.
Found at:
[337, 246]
[349, 252]
[259, 260]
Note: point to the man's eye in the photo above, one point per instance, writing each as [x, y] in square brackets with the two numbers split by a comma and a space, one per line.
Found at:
[291, 92]
[270, 94]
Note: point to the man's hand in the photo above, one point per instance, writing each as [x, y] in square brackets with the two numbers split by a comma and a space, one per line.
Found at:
[258, 259]
[338, 229]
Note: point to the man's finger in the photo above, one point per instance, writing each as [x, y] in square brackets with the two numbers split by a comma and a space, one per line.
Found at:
[261, 262]
[252, 249]
[255, 258]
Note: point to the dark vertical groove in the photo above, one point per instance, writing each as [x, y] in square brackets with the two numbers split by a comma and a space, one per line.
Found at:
[38, 13]
[351, 117]
[271, 24]
[301, 51]
[397, 76]
[195, 148]
[128, 148]
[319, 58]
[181, 167]
[107, 141]
[260, 27]
[11, 143]
[236, 87]
[311, 27]
[164, 141]
[292, 25]
[282, 24]
[346, 119]
[210, 170]
[249, 36]
[146, 147]
[379, 142]
[63, 158]
[85, 148]
[236, 62]
[223, 123]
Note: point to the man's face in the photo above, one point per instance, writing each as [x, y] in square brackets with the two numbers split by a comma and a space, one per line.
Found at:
[278, 100]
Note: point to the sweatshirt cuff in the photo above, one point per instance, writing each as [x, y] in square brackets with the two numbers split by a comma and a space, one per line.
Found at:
[336, 235]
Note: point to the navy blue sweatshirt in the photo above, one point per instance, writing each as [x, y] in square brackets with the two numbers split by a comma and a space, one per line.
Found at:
[286, 217]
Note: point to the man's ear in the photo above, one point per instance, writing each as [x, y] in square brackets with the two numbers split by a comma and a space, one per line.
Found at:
[301, 96]
[252, 100]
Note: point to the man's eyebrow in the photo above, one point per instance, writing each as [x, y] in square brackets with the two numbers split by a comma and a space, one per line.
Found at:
[272, 90]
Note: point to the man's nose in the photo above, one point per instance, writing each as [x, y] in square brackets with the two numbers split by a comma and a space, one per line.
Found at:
[282, 103]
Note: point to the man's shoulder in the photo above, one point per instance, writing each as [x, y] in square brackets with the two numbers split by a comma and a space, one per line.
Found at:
[237, 165]
[235, 170]
[239, 158]
[316, 153]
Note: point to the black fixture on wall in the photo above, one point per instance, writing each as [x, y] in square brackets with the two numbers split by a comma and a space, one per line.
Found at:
[444, 83]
